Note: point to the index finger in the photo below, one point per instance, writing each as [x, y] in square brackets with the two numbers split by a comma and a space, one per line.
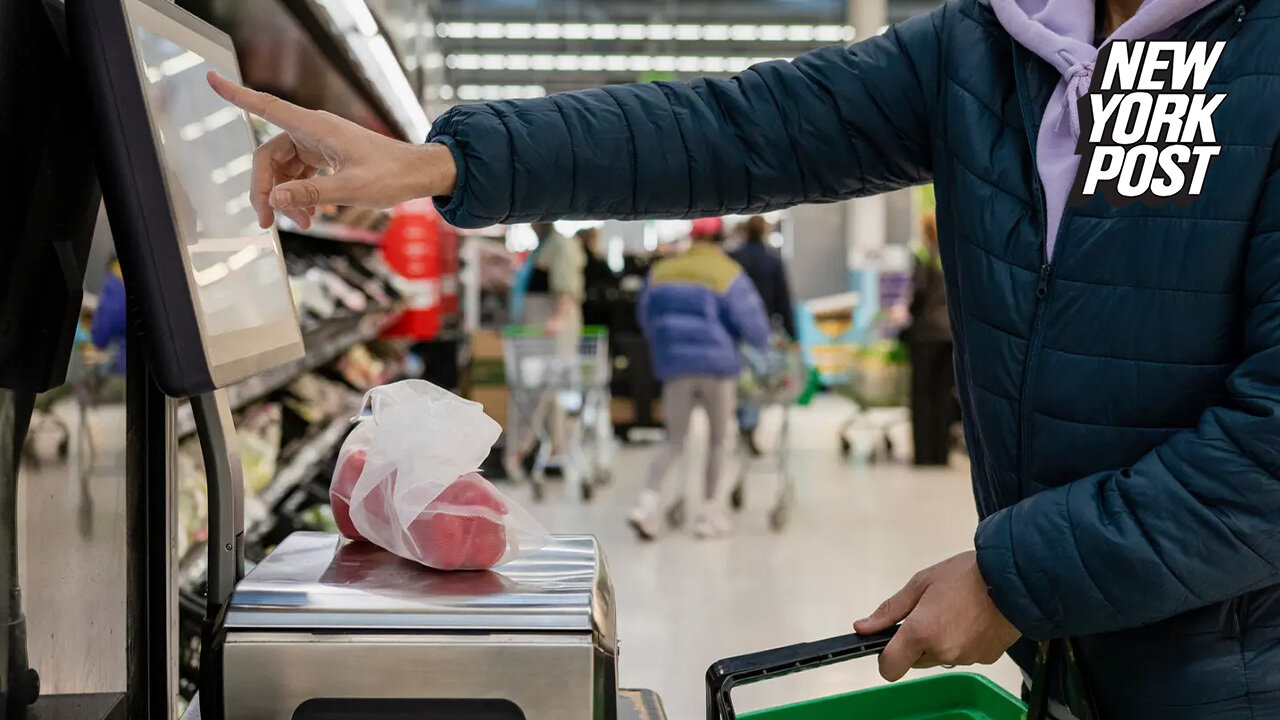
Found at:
[279, 112]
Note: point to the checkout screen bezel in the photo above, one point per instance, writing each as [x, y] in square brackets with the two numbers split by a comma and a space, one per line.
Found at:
[250, 350]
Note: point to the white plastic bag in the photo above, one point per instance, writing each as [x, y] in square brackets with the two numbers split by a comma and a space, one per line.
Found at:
[406, 481]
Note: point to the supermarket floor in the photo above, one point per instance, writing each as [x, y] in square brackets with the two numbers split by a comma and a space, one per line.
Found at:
[858, 532]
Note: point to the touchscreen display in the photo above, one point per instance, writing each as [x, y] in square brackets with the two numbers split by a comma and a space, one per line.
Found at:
[207, 148]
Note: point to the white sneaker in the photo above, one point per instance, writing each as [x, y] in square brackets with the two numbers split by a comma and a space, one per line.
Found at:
[514, 468]
[645, 519]
[713, 522]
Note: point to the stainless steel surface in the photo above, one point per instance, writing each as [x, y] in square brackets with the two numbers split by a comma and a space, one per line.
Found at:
[221, 449]
[632, 705]
[315, 579]
[549, 676]
[640, 705]
[322, 618]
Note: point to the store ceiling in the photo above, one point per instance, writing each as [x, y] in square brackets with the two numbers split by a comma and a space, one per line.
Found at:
[467, 50]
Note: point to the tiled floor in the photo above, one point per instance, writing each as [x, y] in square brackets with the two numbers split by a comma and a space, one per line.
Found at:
[857, 533]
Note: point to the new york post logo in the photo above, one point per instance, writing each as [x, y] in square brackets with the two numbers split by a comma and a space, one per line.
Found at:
[1146, 124]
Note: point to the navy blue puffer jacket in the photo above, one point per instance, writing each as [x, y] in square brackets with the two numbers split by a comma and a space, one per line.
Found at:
[1122, 404]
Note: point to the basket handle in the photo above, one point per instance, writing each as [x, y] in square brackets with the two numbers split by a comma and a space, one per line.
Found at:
[726, 674]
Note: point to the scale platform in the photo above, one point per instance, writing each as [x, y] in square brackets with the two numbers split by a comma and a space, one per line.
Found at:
[325, 628]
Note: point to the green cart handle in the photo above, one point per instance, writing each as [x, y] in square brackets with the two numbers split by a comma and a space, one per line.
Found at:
[726, 674]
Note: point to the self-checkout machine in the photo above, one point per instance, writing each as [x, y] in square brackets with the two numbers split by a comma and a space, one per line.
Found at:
[321, 628]
[49, 204]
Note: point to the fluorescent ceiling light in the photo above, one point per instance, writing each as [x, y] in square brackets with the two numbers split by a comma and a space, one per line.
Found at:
[716, 32]
[604, 32]
[773, 33]
[661, 32]
[635, 31]
[688, 32]
[800, 33]
[519, 31]
[595, 63]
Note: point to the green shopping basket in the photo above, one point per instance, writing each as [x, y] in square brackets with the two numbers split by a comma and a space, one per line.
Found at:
[950, 696]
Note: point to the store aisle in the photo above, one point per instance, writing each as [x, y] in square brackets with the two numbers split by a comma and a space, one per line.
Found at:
[857, 533]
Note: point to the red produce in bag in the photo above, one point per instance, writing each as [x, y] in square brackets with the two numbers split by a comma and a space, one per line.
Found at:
[406, 481]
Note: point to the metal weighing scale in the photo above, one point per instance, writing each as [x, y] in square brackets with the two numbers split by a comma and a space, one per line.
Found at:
[321, 629]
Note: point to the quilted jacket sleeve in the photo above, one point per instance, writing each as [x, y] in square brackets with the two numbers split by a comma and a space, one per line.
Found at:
[838, 122]
[1194, 522]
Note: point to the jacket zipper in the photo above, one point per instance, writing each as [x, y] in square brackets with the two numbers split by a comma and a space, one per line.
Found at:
[1043, 284]
[1211, 24]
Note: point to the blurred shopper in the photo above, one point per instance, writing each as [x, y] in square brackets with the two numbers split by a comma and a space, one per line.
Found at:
[764, 266]
[553, 300]
[555, 291]
[109, 327]
[598, 278]
[928, 339]
[1119, 363]
[695, 310]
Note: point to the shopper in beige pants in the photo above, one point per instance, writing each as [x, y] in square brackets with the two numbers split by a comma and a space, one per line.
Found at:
[695, 311]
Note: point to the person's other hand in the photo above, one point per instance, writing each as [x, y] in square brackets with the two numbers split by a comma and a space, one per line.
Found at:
[365, 169]
[947, 619]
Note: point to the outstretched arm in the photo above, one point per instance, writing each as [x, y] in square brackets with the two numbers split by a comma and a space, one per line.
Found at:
[836, 123]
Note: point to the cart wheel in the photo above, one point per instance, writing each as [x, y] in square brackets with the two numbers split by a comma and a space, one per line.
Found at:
[738, 498]
[588, 491]
[780, 516]
[846, 448]
[676, 514]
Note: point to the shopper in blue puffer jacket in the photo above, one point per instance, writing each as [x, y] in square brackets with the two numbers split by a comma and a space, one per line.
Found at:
[695, 311]
[1119, 378]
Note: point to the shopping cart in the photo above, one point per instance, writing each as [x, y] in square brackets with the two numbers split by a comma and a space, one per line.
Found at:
[949, 696]
[549, 375]
[878, 380]
[773, 378]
